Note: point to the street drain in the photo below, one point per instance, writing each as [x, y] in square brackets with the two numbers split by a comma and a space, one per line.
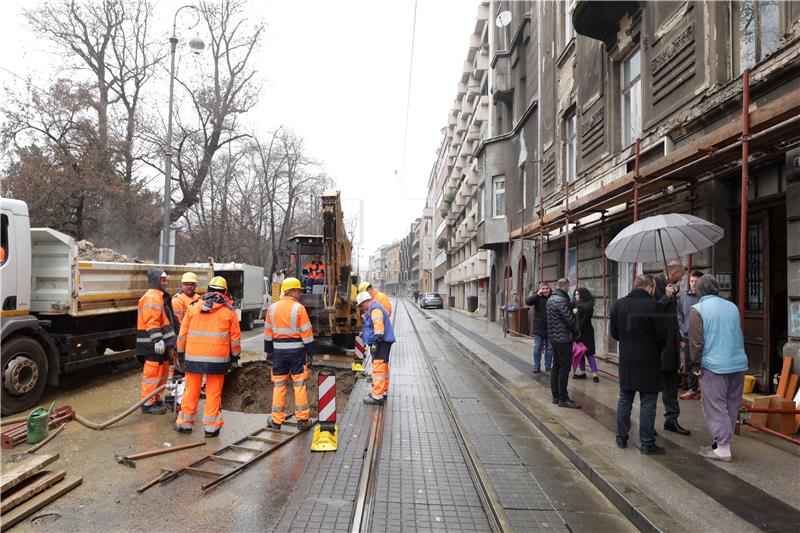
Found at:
[248, 389]
[45, 519]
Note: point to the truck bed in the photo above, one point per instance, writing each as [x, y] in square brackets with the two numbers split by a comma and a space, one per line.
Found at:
[62, 284]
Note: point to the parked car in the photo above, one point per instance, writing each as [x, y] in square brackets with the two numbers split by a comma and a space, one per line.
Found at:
[432, 299]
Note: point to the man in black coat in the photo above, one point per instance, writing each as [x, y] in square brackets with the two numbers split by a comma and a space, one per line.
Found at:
[637, 324]
[666, 296]
[538, 301]
[561, 328]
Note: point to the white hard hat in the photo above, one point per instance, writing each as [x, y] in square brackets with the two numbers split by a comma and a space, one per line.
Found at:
[363, 297]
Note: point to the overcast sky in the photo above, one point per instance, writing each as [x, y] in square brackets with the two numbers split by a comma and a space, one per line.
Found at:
[335, 72]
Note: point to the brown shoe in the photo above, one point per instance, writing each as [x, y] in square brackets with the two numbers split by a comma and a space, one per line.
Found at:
[691, 395]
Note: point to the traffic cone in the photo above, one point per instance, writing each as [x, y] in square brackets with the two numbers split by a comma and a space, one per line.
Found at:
[326, 435]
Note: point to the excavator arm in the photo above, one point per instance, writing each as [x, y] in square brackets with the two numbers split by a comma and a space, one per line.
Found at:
[338, 251]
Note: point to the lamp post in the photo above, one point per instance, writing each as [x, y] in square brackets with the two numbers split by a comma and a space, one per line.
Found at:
[197, 45]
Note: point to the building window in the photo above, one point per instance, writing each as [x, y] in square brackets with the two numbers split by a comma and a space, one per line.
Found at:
[631, 77]
[756, 32]
[570, 148]
[482, 204]
[569, 31]
[499, 196]
[523, 176]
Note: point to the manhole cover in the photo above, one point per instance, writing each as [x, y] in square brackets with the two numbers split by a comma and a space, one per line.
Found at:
[44, 519]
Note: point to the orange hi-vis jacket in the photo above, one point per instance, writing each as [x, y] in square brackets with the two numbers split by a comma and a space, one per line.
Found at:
[316, 270]
[153, 325]
[209, 335]
[381, 299]
[287, 329]
[181, 303]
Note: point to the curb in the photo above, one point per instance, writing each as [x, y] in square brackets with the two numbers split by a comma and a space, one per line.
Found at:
[640, 510]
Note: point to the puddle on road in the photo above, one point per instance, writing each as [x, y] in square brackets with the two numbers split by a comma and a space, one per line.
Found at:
[249, 389]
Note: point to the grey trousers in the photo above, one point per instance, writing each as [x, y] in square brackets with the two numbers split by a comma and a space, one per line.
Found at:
[722, 396]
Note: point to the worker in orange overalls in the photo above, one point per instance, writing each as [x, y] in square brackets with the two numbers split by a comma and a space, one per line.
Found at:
[184, 299]
[314, 271]
[377, 332]
[208, 342]
[378, 296]
[155, 338]
[289, 341]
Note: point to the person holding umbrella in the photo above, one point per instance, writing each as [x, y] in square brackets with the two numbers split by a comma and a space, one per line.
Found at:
[666, 295]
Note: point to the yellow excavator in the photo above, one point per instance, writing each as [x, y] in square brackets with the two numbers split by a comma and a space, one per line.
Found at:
[329, 300]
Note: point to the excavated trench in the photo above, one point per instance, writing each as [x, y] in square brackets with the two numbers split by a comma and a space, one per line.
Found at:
[248, 389]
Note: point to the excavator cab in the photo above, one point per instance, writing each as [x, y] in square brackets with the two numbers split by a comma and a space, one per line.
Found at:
[303, 252]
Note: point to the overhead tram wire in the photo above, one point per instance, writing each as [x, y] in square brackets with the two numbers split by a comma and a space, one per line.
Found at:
[408, 100]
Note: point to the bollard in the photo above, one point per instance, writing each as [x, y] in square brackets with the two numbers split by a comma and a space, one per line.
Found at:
[326, 435]
[358, 355]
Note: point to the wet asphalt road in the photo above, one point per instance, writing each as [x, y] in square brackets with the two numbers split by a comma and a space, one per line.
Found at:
[107, 500]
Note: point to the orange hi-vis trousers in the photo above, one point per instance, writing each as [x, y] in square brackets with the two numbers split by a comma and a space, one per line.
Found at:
[301, 408]
[212, 413]
[380, 378]
[153, 376]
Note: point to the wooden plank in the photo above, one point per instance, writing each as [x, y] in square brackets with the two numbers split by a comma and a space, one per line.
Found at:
[220, 459]
[760, 402]
[201, 472]
[25, 469]
[23, 511]
[783, 382]
[791, 388]
[30, 488]
[781, 423]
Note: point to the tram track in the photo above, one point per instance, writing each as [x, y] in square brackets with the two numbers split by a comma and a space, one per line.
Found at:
[364, 505]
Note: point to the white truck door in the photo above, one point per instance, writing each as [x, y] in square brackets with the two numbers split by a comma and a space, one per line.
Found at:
[15, 269]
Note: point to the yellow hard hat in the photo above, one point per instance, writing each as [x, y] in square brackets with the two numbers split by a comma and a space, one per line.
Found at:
[289, 284]
[364, 285]
[189, 277]
[218, 282]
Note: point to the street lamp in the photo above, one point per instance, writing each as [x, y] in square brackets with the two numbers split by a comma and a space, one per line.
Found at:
[197, 45]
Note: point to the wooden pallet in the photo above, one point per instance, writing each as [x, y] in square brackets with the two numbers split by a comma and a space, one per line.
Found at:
[230, 460]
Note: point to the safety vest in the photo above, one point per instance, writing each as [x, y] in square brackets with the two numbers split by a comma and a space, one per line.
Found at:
[376, 322]
[287, 328]
[316, 270]
[209, 335]
[382, 299]
[153, 325]
[181, 302]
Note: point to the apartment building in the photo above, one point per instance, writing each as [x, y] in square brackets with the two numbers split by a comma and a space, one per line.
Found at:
[606, 111]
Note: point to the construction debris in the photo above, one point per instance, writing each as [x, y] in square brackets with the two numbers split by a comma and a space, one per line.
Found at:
[88, 252]
[13, 435]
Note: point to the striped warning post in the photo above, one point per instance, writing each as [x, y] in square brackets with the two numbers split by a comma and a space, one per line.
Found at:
[360, 350]
[326, 387]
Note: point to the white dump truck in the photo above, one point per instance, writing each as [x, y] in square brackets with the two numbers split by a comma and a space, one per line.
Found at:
[247, 288]
[60, 313]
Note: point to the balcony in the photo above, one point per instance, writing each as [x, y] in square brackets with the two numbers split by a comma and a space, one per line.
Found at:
[481, 114]
[502, 84]
[600, 20]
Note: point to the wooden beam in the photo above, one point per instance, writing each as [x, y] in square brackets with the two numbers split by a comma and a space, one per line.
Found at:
[37, 502]
[23, 470]
[30, 488]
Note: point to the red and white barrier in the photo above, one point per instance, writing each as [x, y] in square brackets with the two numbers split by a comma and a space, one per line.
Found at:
[360, 349]
[326, 387]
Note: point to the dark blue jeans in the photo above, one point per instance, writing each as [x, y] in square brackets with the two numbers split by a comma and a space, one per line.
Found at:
[539, 343]
[647, 415]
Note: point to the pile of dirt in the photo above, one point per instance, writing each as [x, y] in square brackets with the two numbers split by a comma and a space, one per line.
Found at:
[248, 389]
[87, 251]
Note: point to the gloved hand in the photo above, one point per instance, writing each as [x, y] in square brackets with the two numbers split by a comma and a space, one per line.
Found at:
[234, 361]
[377, 339]
[267, 356]
[159, 347]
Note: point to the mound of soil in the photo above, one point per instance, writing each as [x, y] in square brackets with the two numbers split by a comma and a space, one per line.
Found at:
[88, 252]
[248, 389]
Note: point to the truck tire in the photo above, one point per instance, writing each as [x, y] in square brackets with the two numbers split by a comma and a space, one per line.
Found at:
[24, 363]
[247, 321]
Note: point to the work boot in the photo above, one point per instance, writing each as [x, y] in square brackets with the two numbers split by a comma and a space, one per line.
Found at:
[185, 431]
[570, 404]
[157, 408]
[303, 425]
[272, 425]
[675, 427]
[369, 400]
[653, 449]
[622, 442]
[212, 434]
